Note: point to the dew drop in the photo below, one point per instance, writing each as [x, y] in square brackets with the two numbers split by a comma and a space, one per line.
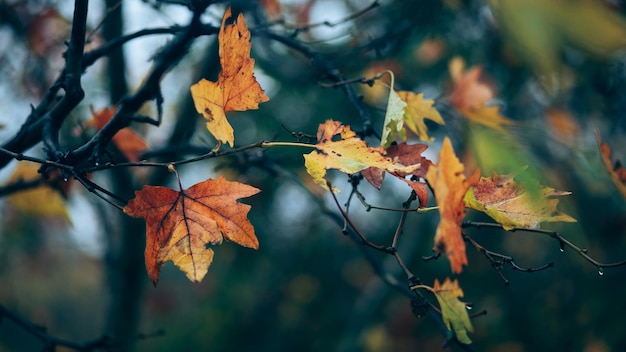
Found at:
[65, 179]
[562, 247]
[469, 306]
[600, 271]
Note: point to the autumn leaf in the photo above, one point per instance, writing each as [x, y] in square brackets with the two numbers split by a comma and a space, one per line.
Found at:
[406, 154]
[404, 107]
[416, 111]
[394, 117]
[349, 154]
[129, 143]
[471, 96]
[40, 201]
[236, 87]
[617, 171]
[273, 9]
[449, 186]
[180, 225]
[513, 204]
[453, 311]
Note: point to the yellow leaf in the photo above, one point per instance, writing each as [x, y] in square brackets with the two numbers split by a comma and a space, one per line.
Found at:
[450, 185]
[513, 204]
[350, 154]
[453, 311]
[416, 111]
[42, 201]
[394, 117]
[236, 87]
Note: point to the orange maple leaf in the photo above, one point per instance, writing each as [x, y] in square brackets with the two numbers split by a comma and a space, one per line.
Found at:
[180, 224]
[471, 96]
[449, 186]
[350, 154]
[129, 143]
[406, 154]
[617, 171]
[236, 87]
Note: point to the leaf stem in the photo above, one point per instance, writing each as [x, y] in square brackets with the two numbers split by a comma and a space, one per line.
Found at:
[287, 144]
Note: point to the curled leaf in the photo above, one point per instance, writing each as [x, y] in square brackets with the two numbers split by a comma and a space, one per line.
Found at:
[450, 185]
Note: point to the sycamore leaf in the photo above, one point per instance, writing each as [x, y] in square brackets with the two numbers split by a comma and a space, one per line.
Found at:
[180, 225]
[126, 140]
[417, 109]
[617, 171]
[41, 201]
[350, 154]
[513, 204]
[236, 87]
[394, 117]
[470, 96]
[449, 186]
[453, 311]
[407, 155]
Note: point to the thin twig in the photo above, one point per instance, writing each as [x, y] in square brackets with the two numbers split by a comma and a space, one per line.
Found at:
[364, 240]
[563, 242]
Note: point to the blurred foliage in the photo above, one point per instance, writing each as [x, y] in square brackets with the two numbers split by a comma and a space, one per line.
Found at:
[308, 287]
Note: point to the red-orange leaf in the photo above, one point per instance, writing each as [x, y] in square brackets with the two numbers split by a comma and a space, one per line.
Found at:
[450, 185]
[180, 224]
[236, 87]
[126, 140]
[471, 96]
[617, 171]
[406, 154]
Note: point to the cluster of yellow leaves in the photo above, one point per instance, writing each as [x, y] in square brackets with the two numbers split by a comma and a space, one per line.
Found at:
[40, 201]
[471, 96]
[450, 185]
[617, 171]
[513, 204]
[127, 141]
[405, 107]
[236, 87]
[180, 224]
[349, 154]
